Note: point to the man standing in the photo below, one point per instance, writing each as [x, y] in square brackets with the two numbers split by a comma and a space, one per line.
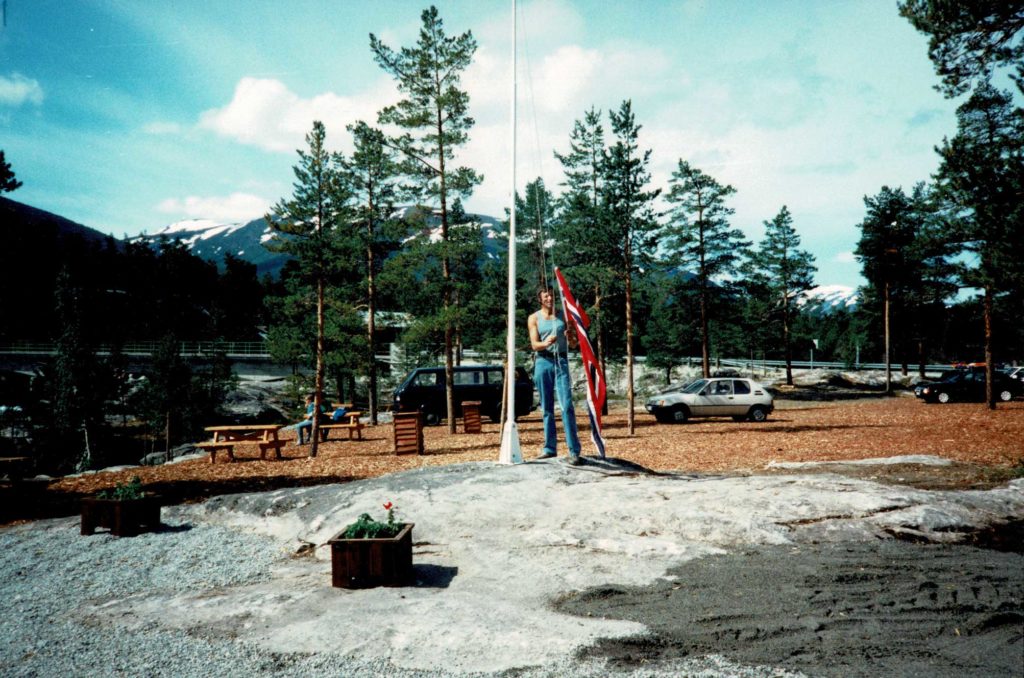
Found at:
[551, 341]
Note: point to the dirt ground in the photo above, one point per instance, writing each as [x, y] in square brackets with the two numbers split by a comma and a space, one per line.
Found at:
[987, 446]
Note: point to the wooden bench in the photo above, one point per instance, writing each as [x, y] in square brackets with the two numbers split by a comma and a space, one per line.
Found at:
[214, 447]
[15, 468]
[274, 445]
[353, 425]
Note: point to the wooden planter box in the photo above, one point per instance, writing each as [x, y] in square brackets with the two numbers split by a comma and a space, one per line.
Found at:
[123, 517]
[366, 563]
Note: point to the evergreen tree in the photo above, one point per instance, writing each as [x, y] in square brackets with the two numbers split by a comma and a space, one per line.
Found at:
[630, 213]
[8, 182]
[969, 39]
[887, 232]
[782, 272]
[75, 413]
[371, 174]
[308, 226]
[582, 233]
[981, 178]
[435, 111]
[535, 212]
[701, 241]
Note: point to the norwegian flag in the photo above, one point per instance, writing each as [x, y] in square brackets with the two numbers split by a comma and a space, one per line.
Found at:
[596, 390]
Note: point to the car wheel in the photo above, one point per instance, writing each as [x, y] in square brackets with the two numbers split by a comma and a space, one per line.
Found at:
[431, 419]
[1005, 395]
[757, 413]
[943, 397]
[680, 415]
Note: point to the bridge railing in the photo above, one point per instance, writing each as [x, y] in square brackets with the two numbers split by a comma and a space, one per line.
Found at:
[189, 349]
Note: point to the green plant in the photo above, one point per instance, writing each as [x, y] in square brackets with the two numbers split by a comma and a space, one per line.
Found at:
[123, 491]
[366, 527]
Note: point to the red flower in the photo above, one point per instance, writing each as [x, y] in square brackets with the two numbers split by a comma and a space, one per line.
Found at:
[387, 506]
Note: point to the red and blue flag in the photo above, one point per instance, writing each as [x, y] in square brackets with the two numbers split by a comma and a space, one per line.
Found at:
[596, 389]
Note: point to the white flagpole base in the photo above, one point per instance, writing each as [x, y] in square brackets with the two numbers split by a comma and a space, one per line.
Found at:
[510, 450]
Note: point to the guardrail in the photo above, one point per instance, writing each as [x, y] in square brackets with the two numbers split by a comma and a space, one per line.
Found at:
[190, 349]
[259, 349]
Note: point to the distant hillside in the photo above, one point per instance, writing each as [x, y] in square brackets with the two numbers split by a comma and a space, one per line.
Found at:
[211, 240]
[26, 224]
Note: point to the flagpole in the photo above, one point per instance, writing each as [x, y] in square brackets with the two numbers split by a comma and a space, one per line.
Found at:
[510, 452]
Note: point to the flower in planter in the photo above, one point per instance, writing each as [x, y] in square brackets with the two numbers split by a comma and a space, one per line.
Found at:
[366, 527]
[124, 491]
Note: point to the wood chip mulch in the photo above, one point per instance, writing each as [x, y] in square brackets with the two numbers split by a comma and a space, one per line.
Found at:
[796, 431]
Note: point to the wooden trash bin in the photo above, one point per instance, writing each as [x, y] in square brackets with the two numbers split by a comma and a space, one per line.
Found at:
[408, 433]
[471, 416]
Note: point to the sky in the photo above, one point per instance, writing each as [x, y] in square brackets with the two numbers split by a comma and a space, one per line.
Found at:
[129, 115]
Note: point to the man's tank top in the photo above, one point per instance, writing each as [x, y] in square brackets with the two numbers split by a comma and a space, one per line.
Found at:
[548, 326]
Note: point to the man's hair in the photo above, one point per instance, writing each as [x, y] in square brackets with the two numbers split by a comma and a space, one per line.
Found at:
[542, 289]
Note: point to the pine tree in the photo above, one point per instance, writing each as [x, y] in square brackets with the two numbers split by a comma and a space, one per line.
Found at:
[371, 174]
[630, 215]
[435, 111]
[582, 233]
[8, 182]
[980, 178]
[969, 39]
[783, 271]
[307, 226]
[701, 241]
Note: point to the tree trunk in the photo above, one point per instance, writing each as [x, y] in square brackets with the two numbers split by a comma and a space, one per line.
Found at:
[989, 371]
[787, 346]
[446, 270]
[920, 358]
[888, 367]
[630, 415]
[600, 342]
[705, 349]
[371, 322]
[318, 388]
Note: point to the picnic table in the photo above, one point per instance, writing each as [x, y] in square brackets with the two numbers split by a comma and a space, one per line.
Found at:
[226, 437]
[352, 425]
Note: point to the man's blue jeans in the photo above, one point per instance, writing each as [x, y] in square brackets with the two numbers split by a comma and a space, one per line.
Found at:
[552, 376]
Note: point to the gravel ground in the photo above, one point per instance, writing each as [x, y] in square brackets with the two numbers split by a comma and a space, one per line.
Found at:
[52, 575]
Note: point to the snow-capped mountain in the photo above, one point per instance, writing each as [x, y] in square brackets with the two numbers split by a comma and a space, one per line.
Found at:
[826, 299]
[212, 240]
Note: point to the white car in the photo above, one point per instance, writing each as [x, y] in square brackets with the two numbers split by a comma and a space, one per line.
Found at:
[720, 397]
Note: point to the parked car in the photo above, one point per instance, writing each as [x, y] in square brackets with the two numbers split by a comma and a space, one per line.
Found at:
[919, 390]
[424, 390]
[1015, 373]
[719, 397]
[969, 386]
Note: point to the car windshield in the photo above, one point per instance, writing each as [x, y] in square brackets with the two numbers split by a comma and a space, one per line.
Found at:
[676, 387]
[695, 386]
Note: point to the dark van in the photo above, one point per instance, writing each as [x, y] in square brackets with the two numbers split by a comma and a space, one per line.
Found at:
[423, 390]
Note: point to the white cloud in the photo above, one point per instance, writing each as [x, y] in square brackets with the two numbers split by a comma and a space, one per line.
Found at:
[16, 90]
[236, 207]
[845, 258]
[265, 113]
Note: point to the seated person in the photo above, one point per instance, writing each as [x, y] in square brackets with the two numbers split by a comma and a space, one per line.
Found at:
[339, 414]
[305, 427]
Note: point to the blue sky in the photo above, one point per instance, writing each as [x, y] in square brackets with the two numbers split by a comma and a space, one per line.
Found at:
[127, 115]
